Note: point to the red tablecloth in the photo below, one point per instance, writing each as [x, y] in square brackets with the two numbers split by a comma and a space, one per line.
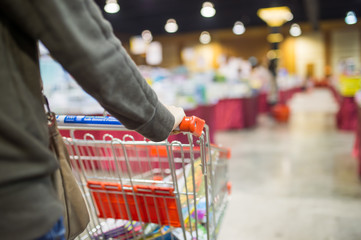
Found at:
[227, 114]
[285, 95]
[357, 146]
[263, 106]
[250, 111]
[347, 115]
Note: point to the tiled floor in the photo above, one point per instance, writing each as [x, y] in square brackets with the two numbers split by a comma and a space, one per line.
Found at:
[291, 186]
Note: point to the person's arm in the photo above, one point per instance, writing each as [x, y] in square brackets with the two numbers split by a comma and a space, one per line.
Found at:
[78, 36]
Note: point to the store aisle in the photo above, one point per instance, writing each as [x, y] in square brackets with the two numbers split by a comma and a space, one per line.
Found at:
[292, 187]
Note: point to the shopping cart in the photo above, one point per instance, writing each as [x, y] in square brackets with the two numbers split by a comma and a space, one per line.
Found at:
[139, 189]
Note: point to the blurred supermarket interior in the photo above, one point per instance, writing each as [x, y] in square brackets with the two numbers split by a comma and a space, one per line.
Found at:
[277, 81]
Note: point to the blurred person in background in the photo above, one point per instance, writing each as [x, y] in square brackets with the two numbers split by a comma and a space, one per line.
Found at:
[260, 76]
[79, 38]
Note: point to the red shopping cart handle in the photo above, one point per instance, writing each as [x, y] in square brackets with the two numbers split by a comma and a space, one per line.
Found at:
[193, 125]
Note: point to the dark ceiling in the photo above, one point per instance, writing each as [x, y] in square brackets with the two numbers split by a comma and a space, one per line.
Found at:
[137, 15]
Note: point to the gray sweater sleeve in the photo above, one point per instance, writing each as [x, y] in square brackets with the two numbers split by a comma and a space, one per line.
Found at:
[78, 36]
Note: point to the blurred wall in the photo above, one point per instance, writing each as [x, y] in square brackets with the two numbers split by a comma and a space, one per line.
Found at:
[252, 43]
[345, 49]
[313, 53]
[310, 55]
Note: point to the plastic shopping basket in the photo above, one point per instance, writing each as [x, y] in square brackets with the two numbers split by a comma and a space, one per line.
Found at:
[139, 189]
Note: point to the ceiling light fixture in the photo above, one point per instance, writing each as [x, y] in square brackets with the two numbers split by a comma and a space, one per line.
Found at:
[205, 37]
[273, 54]
[275, 16]
[208, 10]
[147, 36]
[274, 37]
[238, 28]
[111, 6]
[350, 18]
[295, 30]
[171, 26]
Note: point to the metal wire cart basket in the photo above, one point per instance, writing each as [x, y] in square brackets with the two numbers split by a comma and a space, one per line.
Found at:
[138, 189]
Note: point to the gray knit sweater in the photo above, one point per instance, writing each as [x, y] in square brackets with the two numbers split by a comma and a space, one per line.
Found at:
[80, 39]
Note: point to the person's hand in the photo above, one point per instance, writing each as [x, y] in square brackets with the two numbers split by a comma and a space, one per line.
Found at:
[178, 114]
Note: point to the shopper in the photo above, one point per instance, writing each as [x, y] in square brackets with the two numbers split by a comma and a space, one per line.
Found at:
[80, 39]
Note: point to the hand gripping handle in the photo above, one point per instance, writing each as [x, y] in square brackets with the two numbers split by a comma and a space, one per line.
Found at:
[193, 125]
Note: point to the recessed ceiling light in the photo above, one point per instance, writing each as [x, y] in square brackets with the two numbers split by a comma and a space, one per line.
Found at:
[147, 36]
[205, 37]
[111, 6]
[171, 26]
[208, 10]
[295, 30]
[351, 18]
[238, 28]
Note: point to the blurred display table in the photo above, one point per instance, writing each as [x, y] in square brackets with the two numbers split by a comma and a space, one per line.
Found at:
[347, 116]
[226, 114]
[229, 114]
[263, 106]
[250, 111]
[285, 95]
[357, 146]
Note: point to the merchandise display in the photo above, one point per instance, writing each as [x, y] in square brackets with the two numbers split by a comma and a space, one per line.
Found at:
[174, 87]
[229, 97]
[62, 91]
[286, 81]
[223, 97]
[189, 90]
